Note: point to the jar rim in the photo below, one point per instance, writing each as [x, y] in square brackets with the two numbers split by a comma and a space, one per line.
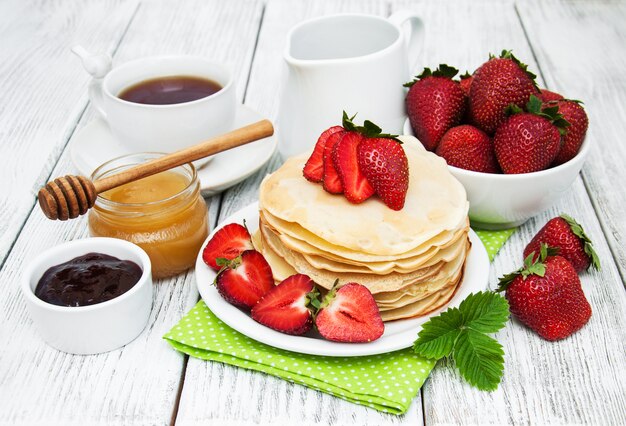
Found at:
[102, 170]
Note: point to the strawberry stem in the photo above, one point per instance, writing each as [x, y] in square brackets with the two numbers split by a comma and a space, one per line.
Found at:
[578, 230]
[442, 71]
[368, 129]
[531, 266]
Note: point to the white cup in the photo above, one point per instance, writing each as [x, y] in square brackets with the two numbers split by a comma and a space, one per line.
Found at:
[165, 128]
[352, 62]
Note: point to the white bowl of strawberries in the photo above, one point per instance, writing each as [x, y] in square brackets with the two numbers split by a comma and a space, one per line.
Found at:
[515, 148]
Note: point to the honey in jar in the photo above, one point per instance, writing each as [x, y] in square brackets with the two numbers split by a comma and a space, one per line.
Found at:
[164, 214]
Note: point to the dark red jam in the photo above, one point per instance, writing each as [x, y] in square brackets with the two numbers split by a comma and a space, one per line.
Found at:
[87, 280]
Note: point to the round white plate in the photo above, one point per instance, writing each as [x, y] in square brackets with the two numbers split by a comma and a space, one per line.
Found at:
[94, 144]
[398, 334]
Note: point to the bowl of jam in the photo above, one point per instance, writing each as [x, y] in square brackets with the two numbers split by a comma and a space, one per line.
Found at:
[89, 296]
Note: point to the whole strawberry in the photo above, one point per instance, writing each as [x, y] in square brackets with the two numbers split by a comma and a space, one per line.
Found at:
[546, 295]
[547, 96]
[576, 116]
[529, 141]
[566, 235]
[498, 83]
[469, 148]
[384, 164]
[434, 104]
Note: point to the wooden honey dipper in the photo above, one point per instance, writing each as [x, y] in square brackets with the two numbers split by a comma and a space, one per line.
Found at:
[68, 197]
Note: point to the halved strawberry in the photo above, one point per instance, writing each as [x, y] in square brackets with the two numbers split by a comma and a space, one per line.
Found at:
[285, 307]
[384, 164]
[314, 167]
[350, 314]
[356, 188]
[245, 279]
[332, 181]
[228, 243]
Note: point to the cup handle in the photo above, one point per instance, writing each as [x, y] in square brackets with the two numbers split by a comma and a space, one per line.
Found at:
[95, 96]
[415, 38]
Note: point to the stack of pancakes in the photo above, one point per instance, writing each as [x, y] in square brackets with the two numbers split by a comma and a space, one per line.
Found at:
[411, 260]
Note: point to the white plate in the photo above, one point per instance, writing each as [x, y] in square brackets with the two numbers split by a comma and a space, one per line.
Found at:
[94, 144]
[398, 334]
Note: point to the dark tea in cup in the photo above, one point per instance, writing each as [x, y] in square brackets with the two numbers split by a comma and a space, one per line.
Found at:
[170, 90]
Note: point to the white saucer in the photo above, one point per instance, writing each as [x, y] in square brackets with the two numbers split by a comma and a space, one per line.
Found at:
[94, 144]
[398, 334]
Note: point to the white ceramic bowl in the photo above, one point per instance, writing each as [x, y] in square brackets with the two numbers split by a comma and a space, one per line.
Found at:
[499, 201]
[95, 328]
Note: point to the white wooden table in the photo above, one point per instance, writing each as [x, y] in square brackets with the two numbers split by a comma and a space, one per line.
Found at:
[577, 48]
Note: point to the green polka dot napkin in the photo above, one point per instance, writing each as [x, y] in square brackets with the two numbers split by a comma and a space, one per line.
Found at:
[386, 382]
[494, 240]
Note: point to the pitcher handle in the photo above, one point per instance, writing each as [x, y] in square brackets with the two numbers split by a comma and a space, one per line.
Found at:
[415, 37]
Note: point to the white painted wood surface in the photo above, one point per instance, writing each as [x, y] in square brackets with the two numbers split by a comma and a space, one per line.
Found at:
[579, 380]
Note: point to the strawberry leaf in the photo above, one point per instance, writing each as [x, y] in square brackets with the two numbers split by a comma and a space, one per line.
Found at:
[550, 112]
[512, 109]
[442, 71]
[578, 230]
[438, 335]
[480, 359]
[460, 333]
[368, 129]
[486, 312]
[222, 261]
[312, 300]
[466, 75]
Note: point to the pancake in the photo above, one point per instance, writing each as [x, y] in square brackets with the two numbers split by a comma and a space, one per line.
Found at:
[326, 279]
[435, 202]
[303, 241]
[423, 307]
[412, 260]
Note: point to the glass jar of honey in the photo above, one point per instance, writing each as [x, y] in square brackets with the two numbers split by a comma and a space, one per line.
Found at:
[164, 214]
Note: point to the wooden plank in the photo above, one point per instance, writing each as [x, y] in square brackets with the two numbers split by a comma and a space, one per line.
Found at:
[220, 394]
[139, 383]
[577, 380]
[45, 84]
[580, 46]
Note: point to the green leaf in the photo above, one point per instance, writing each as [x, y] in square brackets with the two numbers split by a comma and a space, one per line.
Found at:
[534, 105]
[313, 300]
[438, 334]
[512, 109]
[485, 311]
[480, 359]
[368, 129]
[221, 261]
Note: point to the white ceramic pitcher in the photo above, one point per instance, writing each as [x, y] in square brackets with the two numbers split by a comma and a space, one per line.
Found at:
[352, 62]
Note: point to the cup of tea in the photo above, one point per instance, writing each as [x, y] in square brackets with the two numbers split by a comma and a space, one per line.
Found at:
[166, 103]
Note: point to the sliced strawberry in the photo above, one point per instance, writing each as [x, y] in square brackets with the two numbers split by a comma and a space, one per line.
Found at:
[356, 188]
[332, 181]
[245, 279]
[285, 307]
[350, 314]
[384, 164]
[228, 243]
[314, 167]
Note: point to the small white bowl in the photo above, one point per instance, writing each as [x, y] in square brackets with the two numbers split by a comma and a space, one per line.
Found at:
[500, 201]
[95, 328]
